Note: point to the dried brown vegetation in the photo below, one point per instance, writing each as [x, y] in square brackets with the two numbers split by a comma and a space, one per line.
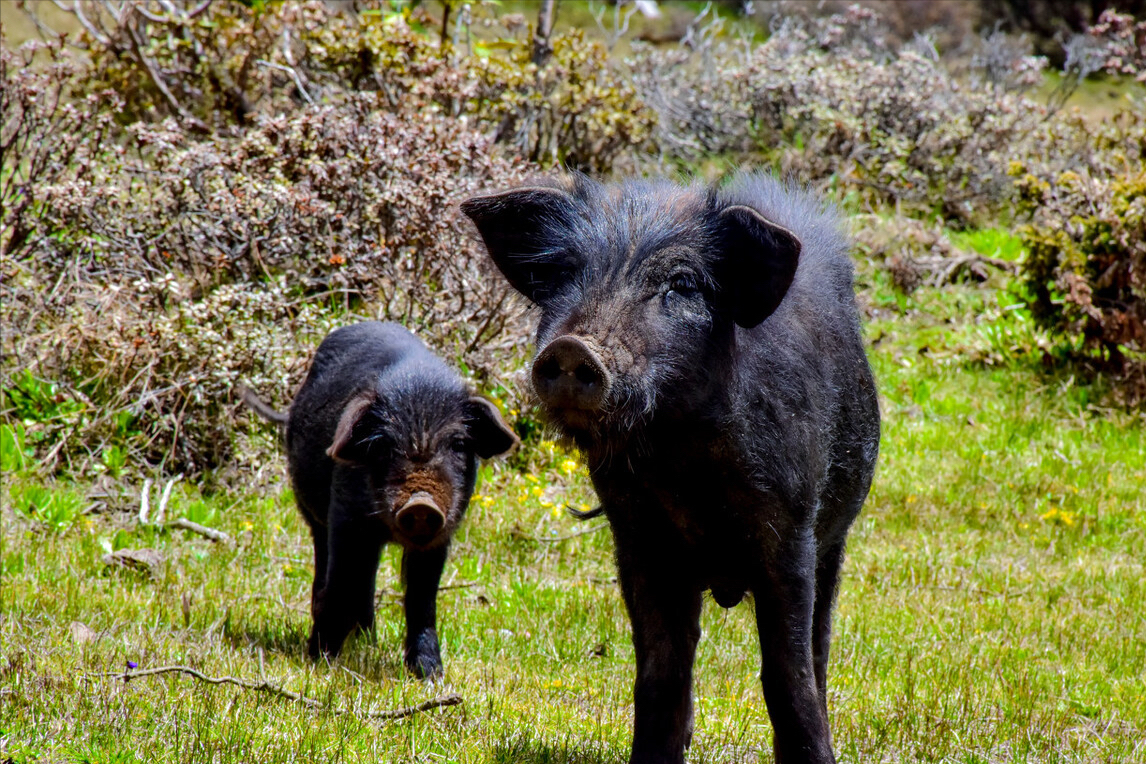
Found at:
[205, 189]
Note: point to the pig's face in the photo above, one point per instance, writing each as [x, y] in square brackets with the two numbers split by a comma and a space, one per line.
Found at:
[420, 450]
[639, 288]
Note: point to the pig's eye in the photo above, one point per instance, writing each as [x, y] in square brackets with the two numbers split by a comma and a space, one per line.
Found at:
[458, 445]
[683, 285]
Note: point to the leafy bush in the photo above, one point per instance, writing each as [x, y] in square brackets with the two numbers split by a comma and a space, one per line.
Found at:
[212, 67]
[577, 110]
[1085, 274]
[207, 65]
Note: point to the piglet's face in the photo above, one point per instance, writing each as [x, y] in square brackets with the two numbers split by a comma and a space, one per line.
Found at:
[421, 459]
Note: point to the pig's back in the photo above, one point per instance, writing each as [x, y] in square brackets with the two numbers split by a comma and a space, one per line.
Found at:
[803, 374]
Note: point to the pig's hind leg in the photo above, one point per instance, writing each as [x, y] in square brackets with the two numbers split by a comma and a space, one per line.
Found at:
[785, 601]
[827, 580]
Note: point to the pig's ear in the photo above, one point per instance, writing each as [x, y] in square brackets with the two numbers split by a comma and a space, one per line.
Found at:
[757, 263]
[517, 227]
[491, 435]
[352, 437]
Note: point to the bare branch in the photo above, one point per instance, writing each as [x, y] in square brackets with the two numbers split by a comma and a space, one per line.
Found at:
[161, 510]
[197, 11]
[76, 10]
[291, 71]
[157, 79]
[145, 503]
[452, 699]
[202, 530]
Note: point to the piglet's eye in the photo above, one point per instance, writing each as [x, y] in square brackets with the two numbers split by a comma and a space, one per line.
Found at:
[458, 445]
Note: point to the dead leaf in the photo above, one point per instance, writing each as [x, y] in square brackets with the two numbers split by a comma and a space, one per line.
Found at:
[82, 633]
[147, 561]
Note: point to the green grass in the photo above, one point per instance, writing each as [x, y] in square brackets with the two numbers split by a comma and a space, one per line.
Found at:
[992, 607]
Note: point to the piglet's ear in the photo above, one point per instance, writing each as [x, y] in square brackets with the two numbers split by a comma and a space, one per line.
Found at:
[491, 435]
[353, 434]
[758, 263]
[519, 227]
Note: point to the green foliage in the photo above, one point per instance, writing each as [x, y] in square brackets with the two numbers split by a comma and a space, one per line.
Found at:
[993, 242]
[15, 455]
[34, 400]
[1085, 275]
[55, 508]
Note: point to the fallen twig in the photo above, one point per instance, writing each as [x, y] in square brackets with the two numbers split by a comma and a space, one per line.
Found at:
[452, 699]
[202, 530]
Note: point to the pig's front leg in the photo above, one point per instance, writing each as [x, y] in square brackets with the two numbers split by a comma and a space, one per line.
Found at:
[422, 569]
[664, 607]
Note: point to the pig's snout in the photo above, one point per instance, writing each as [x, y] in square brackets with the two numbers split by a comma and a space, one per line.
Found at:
[568, 375]
[420, 518]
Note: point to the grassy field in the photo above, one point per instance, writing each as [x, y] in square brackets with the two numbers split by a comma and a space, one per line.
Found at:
[992, 607]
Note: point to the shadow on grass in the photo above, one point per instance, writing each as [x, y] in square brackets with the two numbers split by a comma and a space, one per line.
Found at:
[570, 750]
[272, 635]
[363, 654]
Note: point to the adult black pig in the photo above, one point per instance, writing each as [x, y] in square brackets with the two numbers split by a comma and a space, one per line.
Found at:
[382, 445]
[702, 348]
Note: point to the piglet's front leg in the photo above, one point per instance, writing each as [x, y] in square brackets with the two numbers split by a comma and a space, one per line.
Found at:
[346, 600]
[422, 570]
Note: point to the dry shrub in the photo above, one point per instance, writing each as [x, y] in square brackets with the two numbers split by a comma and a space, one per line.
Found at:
[47, 136]
[834, 100]
[212, 187]
[185, 266]
[218, 66]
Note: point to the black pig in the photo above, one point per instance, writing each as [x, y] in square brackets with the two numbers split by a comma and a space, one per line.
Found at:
[702, 348]
[382, 445]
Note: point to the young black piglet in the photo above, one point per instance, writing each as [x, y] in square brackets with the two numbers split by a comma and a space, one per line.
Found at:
[382, 442]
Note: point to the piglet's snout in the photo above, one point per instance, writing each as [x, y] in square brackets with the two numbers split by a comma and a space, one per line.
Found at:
[569, 375]
[420, 518]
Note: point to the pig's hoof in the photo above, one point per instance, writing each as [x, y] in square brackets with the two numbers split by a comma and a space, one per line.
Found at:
[424, 666]
[319, 648]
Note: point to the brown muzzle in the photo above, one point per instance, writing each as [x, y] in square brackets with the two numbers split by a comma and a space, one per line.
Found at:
[420, 518]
